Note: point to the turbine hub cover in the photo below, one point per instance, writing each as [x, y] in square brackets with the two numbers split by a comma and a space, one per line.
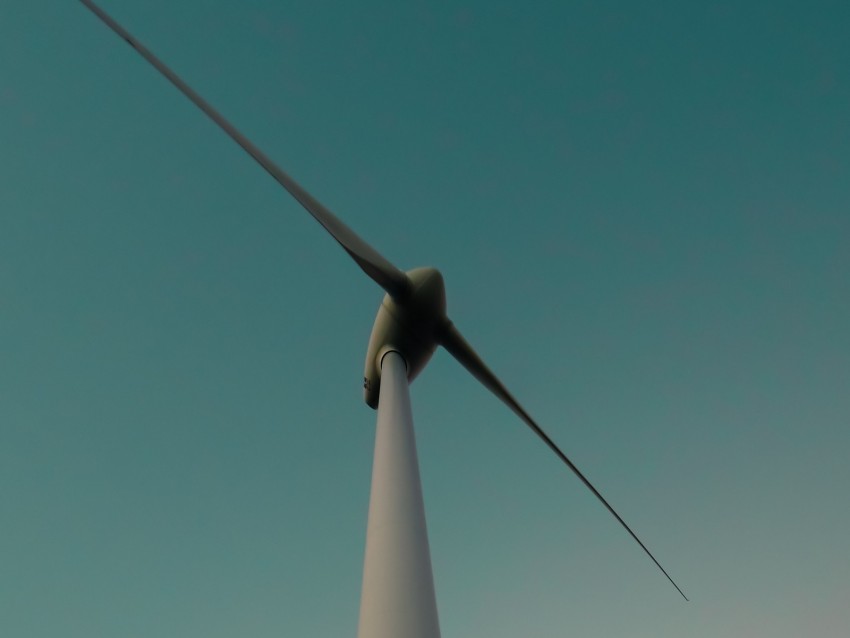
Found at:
[407, 326]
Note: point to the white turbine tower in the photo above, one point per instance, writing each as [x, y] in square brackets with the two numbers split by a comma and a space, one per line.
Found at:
[397, 599]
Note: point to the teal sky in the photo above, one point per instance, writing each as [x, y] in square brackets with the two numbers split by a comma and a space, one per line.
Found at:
[642, 211]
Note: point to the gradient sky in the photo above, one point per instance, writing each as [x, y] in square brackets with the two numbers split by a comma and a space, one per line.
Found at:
[642, 211]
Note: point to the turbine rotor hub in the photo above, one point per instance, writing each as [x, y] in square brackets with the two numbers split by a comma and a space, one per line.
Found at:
[408, 326]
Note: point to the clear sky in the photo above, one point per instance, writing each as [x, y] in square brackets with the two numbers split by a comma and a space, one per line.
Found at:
[642, 211]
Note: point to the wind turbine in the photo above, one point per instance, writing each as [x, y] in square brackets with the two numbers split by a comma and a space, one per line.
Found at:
[397, 597]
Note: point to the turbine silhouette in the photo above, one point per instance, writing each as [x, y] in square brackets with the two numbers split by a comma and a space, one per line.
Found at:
[398, 592]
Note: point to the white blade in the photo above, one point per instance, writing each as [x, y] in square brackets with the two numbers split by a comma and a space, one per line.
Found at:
[386, 275]
[460, 349]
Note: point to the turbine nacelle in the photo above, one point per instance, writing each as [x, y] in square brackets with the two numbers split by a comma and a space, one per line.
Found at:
[409, 326]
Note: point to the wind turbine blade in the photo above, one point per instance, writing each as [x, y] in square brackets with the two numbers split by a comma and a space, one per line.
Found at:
[451, 339]
[390, 278]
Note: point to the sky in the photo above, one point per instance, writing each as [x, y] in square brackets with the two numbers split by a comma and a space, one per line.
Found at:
[642, 213]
